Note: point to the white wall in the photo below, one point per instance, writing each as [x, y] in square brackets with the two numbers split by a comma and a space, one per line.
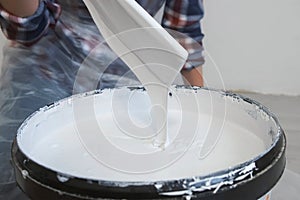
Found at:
[255, 44]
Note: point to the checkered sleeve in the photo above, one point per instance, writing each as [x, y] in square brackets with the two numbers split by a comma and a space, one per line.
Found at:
[29, 30]
[183, 16]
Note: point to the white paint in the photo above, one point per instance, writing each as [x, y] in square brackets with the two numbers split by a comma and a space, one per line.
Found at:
[51, 137]
[154, 56]
[255, 44]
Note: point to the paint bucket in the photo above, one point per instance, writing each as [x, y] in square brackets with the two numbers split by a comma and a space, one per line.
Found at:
[222, 146]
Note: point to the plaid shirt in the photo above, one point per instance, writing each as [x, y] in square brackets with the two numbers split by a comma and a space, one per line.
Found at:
[180, 15]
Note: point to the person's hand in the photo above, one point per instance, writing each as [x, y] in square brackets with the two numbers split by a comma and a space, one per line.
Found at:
[194, 76]
[20, 8]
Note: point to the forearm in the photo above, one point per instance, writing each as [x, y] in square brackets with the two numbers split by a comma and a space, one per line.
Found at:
[193, 76]
[20, 8]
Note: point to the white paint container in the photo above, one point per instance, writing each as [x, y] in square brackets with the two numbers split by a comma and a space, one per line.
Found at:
[98, 145]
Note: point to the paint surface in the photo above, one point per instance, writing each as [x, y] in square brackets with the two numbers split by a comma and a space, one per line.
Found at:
[72, 137]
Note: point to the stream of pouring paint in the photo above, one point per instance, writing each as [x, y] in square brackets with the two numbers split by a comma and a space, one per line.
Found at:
[151, 53]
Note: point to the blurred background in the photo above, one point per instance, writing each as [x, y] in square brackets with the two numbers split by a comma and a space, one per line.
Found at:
[255, 44]
[2, 43]
[250, 46]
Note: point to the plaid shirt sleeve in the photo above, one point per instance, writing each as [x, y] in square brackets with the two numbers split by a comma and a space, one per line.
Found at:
[184, 17]
[30, 29]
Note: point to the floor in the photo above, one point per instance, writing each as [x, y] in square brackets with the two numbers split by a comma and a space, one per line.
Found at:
[287, 109]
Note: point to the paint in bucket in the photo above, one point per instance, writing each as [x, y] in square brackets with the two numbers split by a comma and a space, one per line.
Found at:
[221, 146]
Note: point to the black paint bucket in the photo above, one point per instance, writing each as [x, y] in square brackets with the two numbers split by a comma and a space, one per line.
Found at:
[252, 178]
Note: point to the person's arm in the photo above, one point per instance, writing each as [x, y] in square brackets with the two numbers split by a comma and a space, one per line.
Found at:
[27, 21]
[194, 76]
[20, 8]
[184, 16]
